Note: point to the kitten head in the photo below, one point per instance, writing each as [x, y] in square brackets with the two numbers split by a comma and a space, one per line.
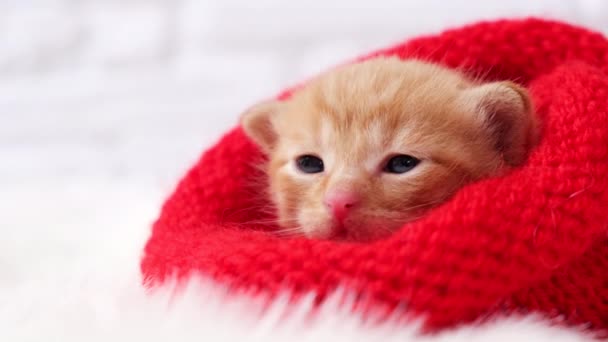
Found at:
[369, 146]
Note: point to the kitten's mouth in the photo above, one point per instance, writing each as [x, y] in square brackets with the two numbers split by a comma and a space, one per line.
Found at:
[339, 232]
[341, 235]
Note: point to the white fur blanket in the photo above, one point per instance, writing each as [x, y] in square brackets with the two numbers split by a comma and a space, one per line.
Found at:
[111, 306]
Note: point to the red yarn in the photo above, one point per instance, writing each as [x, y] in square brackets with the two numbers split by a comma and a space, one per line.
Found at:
[535, 240]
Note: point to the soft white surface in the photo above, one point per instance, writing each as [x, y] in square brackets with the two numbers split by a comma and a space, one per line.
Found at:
[97, 308]
[104, 104]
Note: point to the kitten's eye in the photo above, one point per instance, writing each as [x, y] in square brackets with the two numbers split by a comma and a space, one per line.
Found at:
[309, 164]
[401, 164]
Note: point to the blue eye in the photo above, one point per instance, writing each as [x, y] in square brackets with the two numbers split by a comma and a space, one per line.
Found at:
[401, 164]
[309, 164]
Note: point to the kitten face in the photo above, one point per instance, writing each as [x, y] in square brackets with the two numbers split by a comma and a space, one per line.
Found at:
[365, 148]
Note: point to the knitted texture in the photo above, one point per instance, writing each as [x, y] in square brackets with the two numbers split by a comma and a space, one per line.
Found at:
[535, 240]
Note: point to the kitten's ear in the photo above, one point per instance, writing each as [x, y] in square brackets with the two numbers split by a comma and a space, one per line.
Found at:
[257, 122]
[505, 112]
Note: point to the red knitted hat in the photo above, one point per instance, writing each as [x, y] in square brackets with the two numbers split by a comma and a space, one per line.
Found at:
[535, 240]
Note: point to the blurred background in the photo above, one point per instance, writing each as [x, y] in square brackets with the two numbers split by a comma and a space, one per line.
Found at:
[105, 103]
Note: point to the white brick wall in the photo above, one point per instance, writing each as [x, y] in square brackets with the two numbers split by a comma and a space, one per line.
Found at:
[103, 102]
[66, 35]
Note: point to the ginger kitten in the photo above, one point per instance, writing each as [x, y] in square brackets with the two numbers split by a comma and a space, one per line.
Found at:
[364, 148]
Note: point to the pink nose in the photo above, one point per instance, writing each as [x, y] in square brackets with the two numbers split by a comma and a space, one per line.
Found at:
[340, 202]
